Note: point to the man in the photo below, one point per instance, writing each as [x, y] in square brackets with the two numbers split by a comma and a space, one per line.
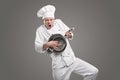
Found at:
[64, 63]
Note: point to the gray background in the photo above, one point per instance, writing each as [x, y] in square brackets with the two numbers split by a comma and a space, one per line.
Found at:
[96, 39]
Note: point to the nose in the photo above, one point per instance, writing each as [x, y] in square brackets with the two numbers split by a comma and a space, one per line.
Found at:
[49, 21]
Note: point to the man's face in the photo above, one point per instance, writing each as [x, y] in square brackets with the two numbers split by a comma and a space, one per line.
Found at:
[49, 22]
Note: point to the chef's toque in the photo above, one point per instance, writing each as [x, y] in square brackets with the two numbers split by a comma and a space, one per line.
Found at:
[46, 11]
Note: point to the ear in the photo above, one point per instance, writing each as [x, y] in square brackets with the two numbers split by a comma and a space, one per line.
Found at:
[44, 21]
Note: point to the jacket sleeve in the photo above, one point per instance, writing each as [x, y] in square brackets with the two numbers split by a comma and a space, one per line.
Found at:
[64, 28]
[39, 41]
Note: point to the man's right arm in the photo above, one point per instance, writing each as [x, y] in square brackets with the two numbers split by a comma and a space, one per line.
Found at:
[40, 45]
[39, 42]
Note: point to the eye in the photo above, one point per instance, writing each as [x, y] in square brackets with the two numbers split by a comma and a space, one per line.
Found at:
[46, 20]
[51, 19]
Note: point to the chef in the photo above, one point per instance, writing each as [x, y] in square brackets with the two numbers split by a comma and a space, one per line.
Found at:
[65, 62]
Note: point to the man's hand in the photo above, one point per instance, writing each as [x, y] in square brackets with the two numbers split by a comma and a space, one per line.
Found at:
[53, 44]
[68, 34]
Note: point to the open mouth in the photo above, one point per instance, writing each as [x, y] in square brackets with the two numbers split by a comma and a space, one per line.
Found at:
[49, 25]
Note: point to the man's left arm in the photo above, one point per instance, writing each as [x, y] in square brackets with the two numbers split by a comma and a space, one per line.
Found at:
[66, 31]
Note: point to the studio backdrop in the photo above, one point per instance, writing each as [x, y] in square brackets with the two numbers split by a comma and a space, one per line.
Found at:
[96, 37]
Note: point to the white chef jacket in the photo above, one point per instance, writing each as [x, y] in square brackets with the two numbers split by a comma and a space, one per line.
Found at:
[65, 58]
